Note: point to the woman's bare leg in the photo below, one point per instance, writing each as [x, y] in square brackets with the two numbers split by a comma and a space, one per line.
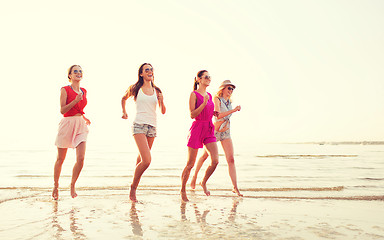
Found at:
[199, 164]
[61, 153]
[213, 152]
[229, 155]
[192, 154]
[80, 155]
[144, 144]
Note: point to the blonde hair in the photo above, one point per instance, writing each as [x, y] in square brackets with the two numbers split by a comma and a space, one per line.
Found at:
[219, 93]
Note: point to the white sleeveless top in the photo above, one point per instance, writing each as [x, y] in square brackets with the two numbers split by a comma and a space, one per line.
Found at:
[146, 108]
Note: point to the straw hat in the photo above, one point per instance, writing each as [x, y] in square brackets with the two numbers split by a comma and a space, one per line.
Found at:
[226, 83]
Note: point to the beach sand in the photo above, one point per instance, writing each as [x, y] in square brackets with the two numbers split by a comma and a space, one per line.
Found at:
[160, 214]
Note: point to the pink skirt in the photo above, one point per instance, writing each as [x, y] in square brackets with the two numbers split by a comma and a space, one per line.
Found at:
[72, 132]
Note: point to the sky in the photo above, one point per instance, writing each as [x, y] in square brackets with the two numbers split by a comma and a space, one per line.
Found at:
[304, 70]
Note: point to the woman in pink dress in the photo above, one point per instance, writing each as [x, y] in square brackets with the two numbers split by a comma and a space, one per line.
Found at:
[201, 132]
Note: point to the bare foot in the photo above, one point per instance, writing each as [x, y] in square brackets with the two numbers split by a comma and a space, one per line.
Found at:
[55, 193]
[132, 194]
[236, 190]
[184, 196]
[208, 193]
[193, 183]
[73, 191]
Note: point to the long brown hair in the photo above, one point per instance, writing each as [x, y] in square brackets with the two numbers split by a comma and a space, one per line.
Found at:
[134, 89]
[70, 70]
[199, 74]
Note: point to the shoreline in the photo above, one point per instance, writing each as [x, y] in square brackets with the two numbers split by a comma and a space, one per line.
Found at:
[98, 214]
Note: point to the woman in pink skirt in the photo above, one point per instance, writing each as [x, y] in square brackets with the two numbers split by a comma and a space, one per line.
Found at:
[73, 128]
[201, 132]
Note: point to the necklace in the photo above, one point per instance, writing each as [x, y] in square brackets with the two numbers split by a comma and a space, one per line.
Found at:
[75, 91]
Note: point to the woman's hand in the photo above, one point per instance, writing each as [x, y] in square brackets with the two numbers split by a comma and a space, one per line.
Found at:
[160, 97]
[86, 120]
[206, 98]
[79, 97]
[238, 108]
[125, 116]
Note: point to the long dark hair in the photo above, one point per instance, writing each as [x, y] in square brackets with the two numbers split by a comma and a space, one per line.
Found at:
[199, 74]
[134, 89]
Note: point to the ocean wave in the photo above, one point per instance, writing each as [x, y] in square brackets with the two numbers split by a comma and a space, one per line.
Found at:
[97, 176]
[172, 187]
[372, 179]
[298, 156]
[353, 198]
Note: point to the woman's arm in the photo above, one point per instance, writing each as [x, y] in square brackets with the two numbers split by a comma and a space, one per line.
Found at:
[224, 114]
[64, 107]
[160, 99]
[123, 102]
[192, 104]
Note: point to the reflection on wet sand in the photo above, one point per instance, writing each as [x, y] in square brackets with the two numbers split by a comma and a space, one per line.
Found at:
[74, 226]
[55, 222]
[76, 229]
[232, 214]
[201, 218]
[135, 222]
[182, 211]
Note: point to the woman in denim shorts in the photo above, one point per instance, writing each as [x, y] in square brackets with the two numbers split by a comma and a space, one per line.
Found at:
[146, 96]
[222, 132]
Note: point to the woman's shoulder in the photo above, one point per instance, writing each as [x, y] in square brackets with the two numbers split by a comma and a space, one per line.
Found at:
[65, 89]
[84, 90]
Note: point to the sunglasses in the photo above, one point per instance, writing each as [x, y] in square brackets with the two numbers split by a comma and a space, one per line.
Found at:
[148, 69]
[230, 88]
[207, 77]
[77, 71]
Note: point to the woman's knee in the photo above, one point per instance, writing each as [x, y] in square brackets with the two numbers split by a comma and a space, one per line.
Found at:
[146, 161]
[146, 164]
[80, 162]
[215, 161]
[60, 160]
[231, 160]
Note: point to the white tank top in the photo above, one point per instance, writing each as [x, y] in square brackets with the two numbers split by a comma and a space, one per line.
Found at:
[146, 108]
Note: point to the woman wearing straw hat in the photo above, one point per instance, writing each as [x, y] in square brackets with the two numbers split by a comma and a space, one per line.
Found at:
[222, 132]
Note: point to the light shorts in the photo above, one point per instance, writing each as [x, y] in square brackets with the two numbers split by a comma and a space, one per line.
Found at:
[72, 131]
[147, 130]
[220, 136]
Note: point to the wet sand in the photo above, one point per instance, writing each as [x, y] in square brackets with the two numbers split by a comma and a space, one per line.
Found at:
[108, 214]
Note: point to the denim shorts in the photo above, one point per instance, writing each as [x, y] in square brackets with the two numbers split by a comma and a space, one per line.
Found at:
[220, 136]
[147, 130]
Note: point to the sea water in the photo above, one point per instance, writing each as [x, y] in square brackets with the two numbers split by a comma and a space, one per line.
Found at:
[263, 170]
[291, 191]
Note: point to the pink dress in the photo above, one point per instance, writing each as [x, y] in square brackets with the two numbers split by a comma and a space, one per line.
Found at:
[202, 130]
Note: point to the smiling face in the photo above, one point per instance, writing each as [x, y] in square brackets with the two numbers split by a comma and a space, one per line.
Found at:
[205, 79]
[147, 72]
[75, 74]
[227, 91]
